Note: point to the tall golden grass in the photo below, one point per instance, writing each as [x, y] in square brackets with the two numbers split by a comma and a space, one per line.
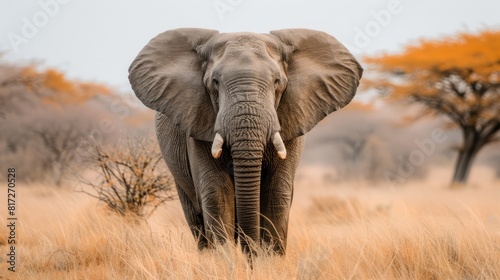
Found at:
[343, 231]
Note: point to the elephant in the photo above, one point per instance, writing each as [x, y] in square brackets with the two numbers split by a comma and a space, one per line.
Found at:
[232, 111]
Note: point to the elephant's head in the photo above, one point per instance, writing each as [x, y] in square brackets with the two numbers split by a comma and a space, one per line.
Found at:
[242, 91]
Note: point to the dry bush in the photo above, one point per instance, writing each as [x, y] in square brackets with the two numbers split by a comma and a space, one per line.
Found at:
[364, 145]
[133, 177]
[44, 143]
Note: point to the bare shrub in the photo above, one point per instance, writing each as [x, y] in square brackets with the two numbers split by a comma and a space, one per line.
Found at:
[44, 143]
[133, 179]
[365, 145]
[55, 145]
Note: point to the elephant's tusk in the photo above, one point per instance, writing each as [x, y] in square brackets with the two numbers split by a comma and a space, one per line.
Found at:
[279, 145]
[217, 145]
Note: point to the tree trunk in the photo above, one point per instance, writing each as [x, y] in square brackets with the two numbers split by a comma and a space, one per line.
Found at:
[471, 145]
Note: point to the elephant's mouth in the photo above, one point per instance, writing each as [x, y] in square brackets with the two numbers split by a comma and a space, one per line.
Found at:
[276, 139]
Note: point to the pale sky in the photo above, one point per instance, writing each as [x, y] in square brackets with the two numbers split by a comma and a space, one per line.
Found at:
[96, 41]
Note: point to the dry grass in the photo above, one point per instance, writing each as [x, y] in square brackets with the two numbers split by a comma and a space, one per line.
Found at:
[336, 232]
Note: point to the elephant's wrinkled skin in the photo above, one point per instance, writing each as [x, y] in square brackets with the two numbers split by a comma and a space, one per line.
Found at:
[233, 109]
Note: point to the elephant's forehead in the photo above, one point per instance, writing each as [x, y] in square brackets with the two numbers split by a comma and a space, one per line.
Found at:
[244, 39]
[245, 42]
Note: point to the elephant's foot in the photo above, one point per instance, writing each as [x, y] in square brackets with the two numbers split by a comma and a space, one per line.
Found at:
[202, 243]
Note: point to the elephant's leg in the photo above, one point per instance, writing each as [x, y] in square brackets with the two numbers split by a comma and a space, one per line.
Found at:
[215, 191]
[277, 194]
[193, 218]
[173, 146]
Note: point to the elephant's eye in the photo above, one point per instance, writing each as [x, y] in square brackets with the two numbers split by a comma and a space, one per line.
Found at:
[279, 84]
[215, 82]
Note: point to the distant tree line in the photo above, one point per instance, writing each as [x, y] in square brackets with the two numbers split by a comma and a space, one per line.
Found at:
[49, 123]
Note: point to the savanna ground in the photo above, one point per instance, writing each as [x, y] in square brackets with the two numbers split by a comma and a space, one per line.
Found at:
[420, 230]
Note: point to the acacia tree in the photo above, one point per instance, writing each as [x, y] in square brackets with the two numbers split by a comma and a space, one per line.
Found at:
[458, 77]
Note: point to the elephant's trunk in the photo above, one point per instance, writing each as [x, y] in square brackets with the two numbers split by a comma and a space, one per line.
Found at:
[248, 131]
[247, 165]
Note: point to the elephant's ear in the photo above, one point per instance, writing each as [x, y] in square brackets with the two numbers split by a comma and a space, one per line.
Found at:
[322, 77]
[167, 77]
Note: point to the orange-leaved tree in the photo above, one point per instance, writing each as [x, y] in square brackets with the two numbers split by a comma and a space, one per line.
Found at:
[456, 76]
[48, 86]
[56, 89]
